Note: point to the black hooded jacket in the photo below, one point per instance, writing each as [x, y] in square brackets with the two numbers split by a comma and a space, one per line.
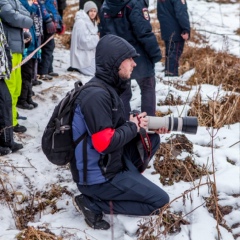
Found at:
[100, 112]
[130, 20]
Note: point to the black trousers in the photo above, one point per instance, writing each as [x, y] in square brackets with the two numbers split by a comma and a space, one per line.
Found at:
[45, 65]
[6, 130]
[28, 72]
[173, 53]
[129, 192]
[148, 96]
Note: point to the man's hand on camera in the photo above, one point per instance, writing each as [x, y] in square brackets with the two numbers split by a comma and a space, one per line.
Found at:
[162, 130]
[140, 120]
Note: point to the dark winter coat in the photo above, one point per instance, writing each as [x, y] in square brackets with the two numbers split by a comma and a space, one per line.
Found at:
[50, 9]
[130, 20]
[14, 18]
[4, 58]
[173, 18]
[36, 30]
[100, 112]
[61, 4]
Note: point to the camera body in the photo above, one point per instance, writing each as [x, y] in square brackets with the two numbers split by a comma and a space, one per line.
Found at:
[187, 125]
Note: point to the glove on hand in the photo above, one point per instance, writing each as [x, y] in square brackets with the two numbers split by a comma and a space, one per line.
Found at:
[50, 26]
[27, 39]
[61, 30]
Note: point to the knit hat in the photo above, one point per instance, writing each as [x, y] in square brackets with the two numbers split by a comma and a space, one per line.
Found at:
[89, 5]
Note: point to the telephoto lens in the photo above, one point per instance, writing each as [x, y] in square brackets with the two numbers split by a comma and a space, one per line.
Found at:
[187, 125]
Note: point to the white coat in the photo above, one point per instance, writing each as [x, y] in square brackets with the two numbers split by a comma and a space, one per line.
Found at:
[83, 44]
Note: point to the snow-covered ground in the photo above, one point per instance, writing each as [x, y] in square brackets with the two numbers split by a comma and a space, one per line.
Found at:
[28, 172]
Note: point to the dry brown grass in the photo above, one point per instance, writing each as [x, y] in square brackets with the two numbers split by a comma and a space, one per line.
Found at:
[211, 67]
[172, 169]
[215, 68]
[219, 212]
[216, 112]
[68, 19]
[31, 233]
[161, 225]
[24, 208]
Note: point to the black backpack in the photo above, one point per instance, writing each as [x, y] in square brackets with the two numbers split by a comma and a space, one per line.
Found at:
[57, 139]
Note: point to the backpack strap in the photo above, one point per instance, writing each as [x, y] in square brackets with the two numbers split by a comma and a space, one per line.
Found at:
[85, 160]
[83, 137]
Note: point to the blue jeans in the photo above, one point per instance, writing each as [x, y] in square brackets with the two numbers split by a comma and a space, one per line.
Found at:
[148, 96]
[129, 192]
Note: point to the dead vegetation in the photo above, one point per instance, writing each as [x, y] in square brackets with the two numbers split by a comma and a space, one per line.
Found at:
[219, 69]
[161, 225]
[171, 167]
[218, 211]
[166, 222]
[31, 233]
[68, 19]
[25, 208]
[215, 68]
[217, 112]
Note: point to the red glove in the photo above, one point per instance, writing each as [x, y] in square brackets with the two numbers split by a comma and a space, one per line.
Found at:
[62, 30]
[50, 26]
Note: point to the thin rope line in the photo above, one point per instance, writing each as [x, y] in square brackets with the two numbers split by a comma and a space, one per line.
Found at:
[31, 55]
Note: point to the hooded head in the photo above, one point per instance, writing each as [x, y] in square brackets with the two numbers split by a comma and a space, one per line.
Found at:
[111, 51]
[89, 5]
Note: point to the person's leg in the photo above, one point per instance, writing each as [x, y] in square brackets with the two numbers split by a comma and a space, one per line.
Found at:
[173, 53]
[26, 71]
[148, 95]
[47, 52]
[126, 97]
[35, 82]
[30, 91]
[50, 68]
[15, 84]
[6, 129]
[60, 11]
[135, 151]
[129, 192]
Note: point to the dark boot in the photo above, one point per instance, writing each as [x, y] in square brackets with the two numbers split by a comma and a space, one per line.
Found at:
[12, 146]
[53, 74]
[4, 151]
[19, 129]
[16, 146]
[24, 105]
[36, 82]
[92, 219]
[31, 102]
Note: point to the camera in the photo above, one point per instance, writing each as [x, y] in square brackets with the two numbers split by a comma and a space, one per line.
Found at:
[187, 125]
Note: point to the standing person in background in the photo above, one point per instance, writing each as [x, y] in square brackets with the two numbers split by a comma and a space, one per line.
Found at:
[7, 143]
[52, 23]
[14, 18]
[131, 21]
[61, 6]
[175, 30]
[28, 69]
[84, 39]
